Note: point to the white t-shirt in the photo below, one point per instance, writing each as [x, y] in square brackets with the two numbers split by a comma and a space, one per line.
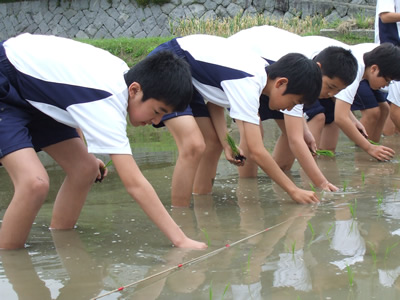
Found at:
[385, 6]
[347, 95]
[226, 74]
[76, 84]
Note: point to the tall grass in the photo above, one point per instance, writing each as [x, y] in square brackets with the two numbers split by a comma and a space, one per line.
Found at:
[227, 26]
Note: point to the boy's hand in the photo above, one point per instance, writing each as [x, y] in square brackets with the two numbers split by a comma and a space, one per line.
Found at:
[191, 244]
[235, 160]
[381, 153]
[329, 187]
[103, 171]
[304, 197]
[310, 141]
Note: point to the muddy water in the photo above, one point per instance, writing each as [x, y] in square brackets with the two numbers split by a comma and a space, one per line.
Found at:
[261, 244]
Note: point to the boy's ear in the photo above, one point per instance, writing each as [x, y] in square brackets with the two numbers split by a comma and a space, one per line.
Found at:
[374, 68]
[281, 81]
[134, 88]
[319, 64]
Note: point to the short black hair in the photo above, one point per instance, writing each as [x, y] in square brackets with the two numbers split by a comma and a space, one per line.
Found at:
[304, 76]
[387, 57]
[338, 62]
[164, 77]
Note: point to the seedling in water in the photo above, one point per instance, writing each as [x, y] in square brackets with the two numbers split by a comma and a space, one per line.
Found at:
[211, 292]
[312, 232]
[350, 275]
[234, 148]
[248, 262]
[312, 187]
[328, 153]
[389, 249]
[353, 208]
[363, 177]
[226, 289]
[345, 185]
[373, 252]
[207, 237]
[293, 250]
[329, 230]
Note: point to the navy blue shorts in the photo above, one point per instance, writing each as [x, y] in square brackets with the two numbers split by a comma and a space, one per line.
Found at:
[366, 97]
[21, 125]
[325, 106]
[197, 106]
[265, 112]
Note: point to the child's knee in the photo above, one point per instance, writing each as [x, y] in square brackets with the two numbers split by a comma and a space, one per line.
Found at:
[319, 119]
[38, 187]
[372, 114]
[86, 171]
[193, 149]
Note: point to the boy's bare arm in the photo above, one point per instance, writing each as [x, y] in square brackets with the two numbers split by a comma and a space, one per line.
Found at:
[264, 160]
[390, 17]
[294, 131]
[343, 120]
[143, 193]
[217, 114]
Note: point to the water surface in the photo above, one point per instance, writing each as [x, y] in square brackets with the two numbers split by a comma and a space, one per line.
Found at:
[261, 244]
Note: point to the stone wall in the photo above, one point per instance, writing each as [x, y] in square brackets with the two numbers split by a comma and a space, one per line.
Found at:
[124, 18]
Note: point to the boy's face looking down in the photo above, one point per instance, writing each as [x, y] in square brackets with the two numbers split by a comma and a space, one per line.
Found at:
[279, 100]
[375, 81]
[331, 86]
[144, 113]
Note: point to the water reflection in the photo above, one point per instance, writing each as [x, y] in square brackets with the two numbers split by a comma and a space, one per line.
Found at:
[77, 276]
[347, 247]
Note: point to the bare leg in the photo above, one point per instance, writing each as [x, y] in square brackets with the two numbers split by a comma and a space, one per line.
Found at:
[316, 126]
[81, 170]
[191, 147]
[282, 153]
[395, 116]
[374, 119]
[31, 185]
[250, 168]
[207, 169]
[329, 137]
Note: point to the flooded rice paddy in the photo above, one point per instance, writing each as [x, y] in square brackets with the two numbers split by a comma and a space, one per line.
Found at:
[261, 244]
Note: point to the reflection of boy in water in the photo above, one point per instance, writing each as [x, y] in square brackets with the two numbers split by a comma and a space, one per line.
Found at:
[348, 241]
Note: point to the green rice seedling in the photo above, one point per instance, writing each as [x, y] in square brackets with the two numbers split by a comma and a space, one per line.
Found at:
[373, 143]
[293, 250]
[353, 208]
[363, 178]
[211, 291]
[206, 235]
[312, 232]
[373, 251]
[311, 229]
[379, 197]
[312, 187]
[234, 148]
[225, 290]
[247, 268]
[350, 275]
[329, 230]
[328, 153]
[389, 249]
[345, 185]
[103, 170]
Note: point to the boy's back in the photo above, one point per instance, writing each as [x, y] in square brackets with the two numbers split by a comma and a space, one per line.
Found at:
[222, 78]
